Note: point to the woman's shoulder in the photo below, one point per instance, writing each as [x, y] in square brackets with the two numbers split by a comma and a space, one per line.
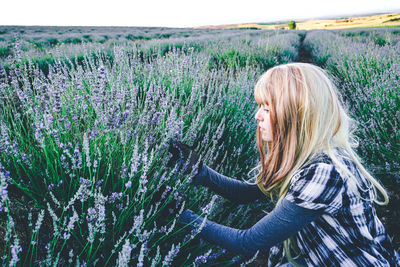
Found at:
[322, 165]
[321, 171]
[322, 157]
[317, 185]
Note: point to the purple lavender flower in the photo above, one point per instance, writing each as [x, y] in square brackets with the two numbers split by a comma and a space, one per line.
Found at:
[91, 214]
[50, 187]
[114, 197]
[3, 190]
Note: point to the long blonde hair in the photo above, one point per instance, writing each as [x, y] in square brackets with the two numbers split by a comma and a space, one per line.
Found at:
[307, 116]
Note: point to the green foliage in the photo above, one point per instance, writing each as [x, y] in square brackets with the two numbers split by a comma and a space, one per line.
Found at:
[132, 37]
[72, 40]
[39, 45]
[292, 25]
[165, 35]
[350, 34]
[229, 59]
[321, 60]
[52, 41]
[379, 40]
[235, 59]
[5, 52]
[249, 28]
[44, 63]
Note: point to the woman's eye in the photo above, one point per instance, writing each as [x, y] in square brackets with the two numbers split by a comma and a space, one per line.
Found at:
[266, 110]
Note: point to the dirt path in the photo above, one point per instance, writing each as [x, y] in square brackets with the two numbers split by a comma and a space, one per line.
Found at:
[304, 54]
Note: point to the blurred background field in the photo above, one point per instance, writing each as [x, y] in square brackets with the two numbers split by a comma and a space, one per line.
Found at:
[86, 113]
[329, 23]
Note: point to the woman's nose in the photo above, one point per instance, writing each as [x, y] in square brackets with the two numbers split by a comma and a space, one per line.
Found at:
[258, 117]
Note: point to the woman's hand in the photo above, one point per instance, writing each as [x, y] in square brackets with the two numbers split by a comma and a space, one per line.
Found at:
[189, 217]
[184, 155]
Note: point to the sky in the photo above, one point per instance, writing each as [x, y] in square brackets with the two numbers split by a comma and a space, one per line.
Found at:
[179, 13]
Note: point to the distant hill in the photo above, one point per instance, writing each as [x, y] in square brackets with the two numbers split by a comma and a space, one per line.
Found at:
[374, 20]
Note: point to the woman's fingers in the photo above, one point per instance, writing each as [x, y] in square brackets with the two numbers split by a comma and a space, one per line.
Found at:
[172, 149]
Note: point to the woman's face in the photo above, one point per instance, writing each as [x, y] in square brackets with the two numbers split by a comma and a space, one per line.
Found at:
[264, 122]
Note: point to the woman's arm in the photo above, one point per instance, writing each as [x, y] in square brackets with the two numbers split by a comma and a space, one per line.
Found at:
[283, 222]
[231, 189]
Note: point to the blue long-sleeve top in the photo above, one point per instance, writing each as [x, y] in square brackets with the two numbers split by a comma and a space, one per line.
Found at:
[283, 222]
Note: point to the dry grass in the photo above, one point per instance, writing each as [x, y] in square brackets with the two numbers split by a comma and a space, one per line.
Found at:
[342, 23]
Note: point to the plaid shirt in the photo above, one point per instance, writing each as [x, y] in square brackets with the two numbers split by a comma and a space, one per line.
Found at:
[349, 233]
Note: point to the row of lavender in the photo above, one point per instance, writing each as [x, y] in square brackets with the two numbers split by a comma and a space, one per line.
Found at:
[196, 39]
[368, 75]
[37, 41]
[377, 36]
[83, 152]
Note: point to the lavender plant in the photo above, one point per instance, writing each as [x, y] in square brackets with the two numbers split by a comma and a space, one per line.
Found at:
[84, 149]
[380, 36]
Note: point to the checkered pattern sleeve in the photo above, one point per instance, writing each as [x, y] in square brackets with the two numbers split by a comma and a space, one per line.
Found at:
[318, 186]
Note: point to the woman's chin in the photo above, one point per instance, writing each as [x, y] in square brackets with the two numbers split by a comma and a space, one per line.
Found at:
[265, 138]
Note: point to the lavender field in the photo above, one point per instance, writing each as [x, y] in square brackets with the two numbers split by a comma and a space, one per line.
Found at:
[85, 121]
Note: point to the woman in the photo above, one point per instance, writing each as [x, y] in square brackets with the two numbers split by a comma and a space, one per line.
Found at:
[325, 196]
